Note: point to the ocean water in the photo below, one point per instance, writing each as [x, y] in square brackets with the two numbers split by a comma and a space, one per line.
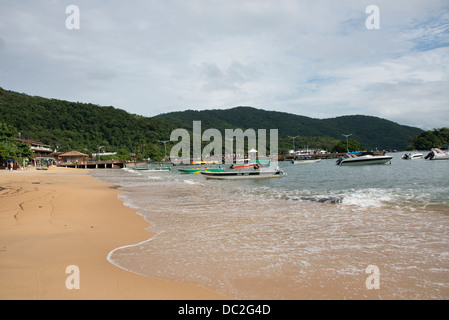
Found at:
[311, 234]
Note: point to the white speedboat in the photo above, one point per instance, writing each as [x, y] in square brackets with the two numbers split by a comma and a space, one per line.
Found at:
[304, 159]
[412, 156]
[438, 154]
[353, 159]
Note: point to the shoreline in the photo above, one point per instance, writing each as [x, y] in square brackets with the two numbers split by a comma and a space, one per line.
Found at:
[53, 219]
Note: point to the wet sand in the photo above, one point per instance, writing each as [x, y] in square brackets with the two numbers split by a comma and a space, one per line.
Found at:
[61, 217]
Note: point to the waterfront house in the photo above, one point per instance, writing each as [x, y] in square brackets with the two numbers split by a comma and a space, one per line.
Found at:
[72, 157]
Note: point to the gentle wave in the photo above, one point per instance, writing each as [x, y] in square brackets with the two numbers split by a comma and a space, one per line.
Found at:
[289, 239]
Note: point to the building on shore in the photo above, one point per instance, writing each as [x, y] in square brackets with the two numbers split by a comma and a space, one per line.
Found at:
[41, 151]
[72, 157]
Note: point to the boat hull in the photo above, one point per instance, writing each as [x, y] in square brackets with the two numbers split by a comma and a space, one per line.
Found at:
[412, 156]
[441, 158]
[305, 161]
[365, 161]
[438, 154]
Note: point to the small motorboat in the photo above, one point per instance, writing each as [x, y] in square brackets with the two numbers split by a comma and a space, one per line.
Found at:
[244, 166]
[243, 174]
[159, 169]
[438, 154]
[304, 159]
[354, 159]
[250, 164]
[412, 156]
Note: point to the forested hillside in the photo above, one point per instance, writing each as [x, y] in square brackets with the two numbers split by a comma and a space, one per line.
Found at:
[370, 131]
[83, 127]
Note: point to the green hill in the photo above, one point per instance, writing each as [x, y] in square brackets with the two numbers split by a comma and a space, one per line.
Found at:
[83, 127]
[372, 132]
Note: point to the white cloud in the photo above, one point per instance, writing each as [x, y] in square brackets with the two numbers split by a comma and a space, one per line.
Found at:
[314, 58]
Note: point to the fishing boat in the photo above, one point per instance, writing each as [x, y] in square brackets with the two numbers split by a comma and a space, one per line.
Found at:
[198, 170]
[141, 168]
[304, 159]
[243, 174]
[354, 159]
[439, 153]
[412, 156]
[159, 169]
[250, 164]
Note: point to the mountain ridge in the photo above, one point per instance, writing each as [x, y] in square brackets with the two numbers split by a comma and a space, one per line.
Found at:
[81, 126]
[373, 132]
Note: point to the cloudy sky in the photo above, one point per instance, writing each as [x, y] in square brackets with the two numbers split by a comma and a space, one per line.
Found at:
[313, 58]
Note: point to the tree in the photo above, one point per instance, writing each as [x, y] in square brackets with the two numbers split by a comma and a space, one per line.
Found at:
[430, 139]
[7, 131]
[9, 148]
[353, 145]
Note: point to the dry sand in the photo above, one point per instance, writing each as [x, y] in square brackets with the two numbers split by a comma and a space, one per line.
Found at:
[52, 219]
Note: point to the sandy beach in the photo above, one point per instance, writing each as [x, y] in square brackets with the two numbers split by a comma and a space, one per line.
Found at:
[53, 219]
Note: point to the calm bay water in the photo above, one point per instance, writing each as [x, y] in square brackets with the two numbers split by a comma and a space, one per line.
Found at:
[310, 234]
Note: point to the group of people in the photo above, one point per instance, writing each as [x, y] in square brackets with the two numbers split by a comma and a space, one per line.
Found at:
[10, 165]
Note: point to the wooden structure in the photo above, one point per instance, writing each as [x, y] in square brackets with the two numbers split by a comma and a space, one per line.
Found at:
[91, 164]
[73, 157]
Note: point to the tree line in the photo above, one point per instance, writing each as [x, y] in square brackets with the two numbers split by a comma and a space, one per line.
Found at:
[84, 127]
[430, 139]
[67, 126]
[10, 148]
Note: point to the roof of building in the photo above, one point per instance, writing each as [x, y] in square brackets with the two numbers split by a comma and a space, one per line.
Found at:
[32, 142]
[72, 154]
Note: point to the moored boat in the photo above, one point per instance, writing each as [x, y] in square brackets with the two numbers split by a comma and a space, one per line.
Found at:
[243, 174]
[159, 169]
[250, 164]
[412, 156]
[439, 154]
[353, 159]
[304, 159]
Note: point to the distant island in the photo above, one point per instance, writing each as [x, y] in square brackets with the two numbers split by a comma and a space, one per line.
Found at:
[66, 126]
